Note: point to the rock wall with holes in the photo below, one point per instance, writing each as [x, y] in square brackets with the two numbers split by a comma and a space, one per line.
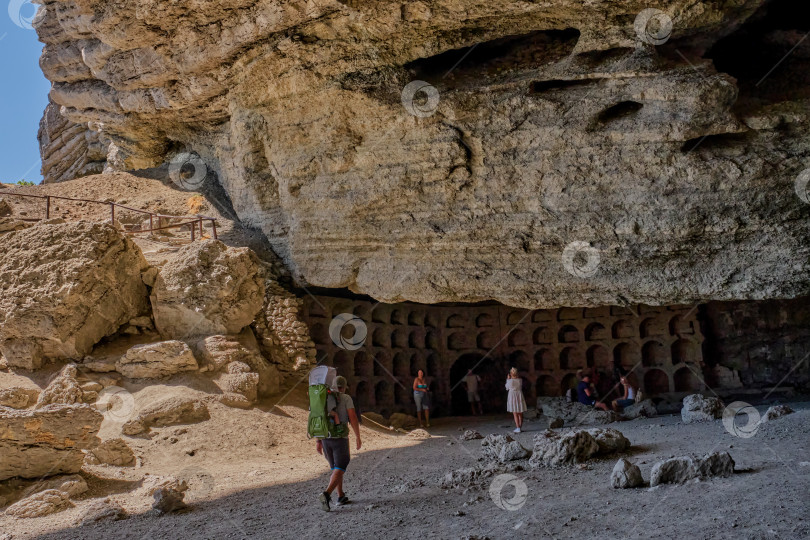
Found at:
[662, 346]
[768, 343]
[550, 123]
[283, 335]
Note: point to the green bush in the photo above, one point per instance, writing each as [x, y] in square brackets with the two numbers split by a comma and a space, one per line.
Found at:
[24, 183]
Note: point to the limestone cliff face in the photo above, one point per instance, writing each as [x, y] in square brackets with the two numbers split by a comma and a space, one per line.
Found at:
[557, 153]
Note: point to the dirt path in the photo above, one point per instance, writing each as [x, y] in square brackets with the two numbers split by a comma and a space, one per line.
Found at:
[253, 474]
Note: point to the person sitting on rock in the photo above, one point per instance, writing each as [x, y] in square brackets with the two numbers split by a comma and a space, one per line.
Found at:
[585, 394]
[629, 396]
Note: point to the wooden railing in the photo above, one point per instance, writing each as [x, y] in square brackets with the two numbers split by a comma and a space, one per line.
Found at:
[194, 223]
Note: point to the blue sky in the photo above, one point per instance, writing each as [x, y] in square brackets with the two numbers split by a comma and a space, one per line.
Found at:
[23, 93]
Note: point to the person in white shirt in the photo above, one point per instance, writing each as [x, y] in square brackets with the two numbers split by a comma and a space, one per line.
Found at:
[471, 381]
[515, 403]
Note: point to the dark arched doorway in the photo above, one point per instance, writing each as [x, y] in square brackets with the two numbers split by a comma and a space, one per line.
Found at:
[493, 375]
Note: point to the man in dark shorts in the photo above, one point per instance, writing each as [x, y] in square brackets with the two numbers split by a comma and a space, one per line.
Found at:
[336, 450]
[585, 394]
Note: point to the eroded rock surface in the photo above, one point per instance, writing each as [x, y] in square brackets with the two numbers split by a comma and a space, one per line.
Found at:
[208, 288]
[111, 452]
[167, 412]
[47, 441]
[573, 413]
[155, 360]
[626, 475]
[63, 287]
[682, 469]
[566, 126]
[698, 408]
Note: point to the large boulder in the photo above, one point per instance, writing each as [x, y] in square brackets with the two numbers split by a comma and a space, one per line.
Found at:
[208, 288]
[155, 360]
[682, 469]
[698, 408]
[47, 441]
[167, 412]
[552, 449]
[573, 413]
[64, 287]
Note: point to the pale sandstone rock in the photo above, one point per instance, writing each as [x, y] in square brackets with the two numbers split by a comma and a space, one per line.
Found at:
[41, 504]
[5, 208]
[64, 287]
[777, 411]
[609, 440]
[237, 401]
[92, 386]
[101, 510]
[495, 183]
[403, 421]
[551, 449]
[698, 408]
[217, 352]
[168, 500]
[10, 225]
[644, 408]
[470, 435]
[156, 360]
[208, 288]
[63, 389]
[111, 452]
[72, 485]
[682, 469]
[238, 381]
[573, 413]
[18, 397]
[167, 412]
[47, 441]
[626, 475]
[68, 150]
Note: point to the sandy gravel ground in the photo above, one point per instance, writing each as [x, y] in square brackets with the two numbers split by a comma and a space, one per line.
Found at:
[253, 474]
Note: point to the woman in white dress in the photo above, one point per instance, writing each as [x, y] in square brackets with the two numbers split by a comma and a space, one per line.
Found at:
[515, 403]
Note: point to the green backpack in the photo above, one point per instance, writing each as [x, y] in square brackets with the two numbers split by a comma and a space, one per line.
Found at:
[322, 399]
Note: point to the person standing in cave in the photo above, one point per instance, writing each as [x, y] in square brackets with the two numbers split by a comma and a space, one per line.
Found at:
[336, 449]
[472, 383]
[421, 397]
[515, 402]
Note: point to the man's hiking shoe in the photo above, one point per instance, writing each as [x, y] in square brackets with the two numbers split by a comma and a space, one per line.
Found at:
[325, 500]
[344, 500]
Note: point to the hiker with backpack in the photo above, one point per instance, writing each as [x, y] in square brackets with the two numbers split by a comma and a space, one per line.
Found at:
[328, 402]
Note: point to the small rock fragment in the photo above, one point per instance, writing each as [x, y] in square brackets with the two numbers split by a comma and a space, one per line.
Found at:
[626, 475]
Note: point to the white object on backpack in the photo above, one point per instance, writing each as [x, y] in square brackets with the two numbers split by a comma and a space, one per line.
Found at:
[323, 375]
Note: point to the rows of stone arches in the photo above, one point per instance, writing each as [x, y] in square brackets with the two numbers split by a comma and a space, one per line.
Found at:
[382, 363]
[385, 395]
[653, 382]
[623, 329]
[652, 353]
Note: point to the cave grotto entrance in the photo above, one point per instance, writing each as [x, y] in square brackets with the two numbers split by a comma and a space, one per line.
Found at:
[492, 373]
